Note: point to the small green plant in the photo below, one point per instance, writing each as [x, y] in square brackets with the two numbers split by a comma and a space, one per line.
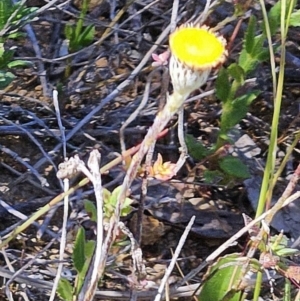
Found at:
[6, 77]
[223, 168]
[12, 17]
[109, 206]
[78, 35]
[232, 273]
[235, 105]
[110, 202]
[223, 280]
[279, 16]
[82, 256]
[83, 249]
[6, 63]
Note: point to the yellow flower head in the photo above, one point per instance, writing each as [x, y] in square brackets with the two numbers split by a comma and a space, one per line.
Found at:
[194, 52]
[197, 47]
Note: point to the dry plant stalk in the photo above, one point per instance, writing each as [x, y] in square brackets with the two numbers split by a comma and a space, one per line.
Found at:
[194, 52]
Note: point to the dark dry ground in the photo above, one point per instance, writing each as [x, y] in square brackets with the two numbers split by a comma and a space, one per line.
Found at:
[28, 131]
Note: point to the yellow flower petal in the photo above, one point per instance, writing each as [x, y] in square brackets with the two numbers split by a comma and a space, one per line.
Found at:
[197, 47]
[194, 52]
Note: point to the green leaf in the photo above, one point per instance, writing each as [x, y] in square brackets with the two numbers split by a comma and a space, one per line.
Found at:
[5, 57]
[258, 46]
[126, 209]
[275, 14]
[285, 252]
[16, 35]
[279, 246]
[237, 72]
[110, 201]
[19, 63]
[213, 176]
[195, 148]
[2, 49]
[89, 248]
[85, 7]
[235, 111]
[223, 279]
[65, 289]
[82, 258]
[106, 195]
[223, 85]
[79, 36]
[5, 79]
[5, 12]
[233, 166]
[249, 60]
[252, 47]
[78, 255]
[250, 34]
[295, 18]
[122, 243]
[87, 36]
[108, 208]
[70, 32]
[114, 196]
[274, 18]
[91, 210]
[263, 55]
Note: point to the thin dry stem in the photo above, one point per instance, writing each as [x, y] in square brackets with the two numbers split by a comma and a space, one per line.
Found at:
[90, 284]
[174, 103]
[63, 241]
[174, 258]
[59, 122]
